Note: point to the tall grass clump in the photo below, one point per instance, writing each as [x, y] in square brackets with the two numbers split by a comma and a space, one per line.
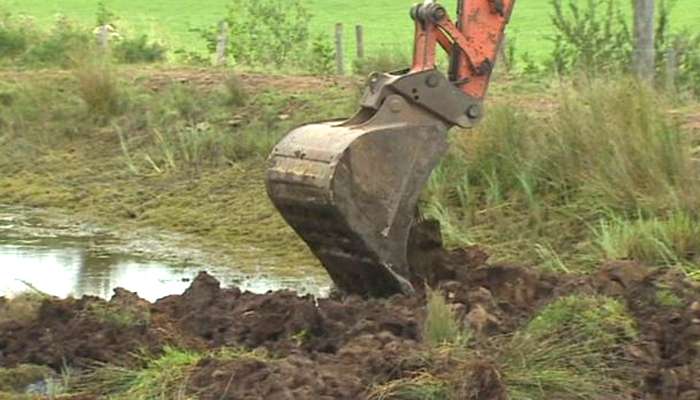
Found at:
[441, 326]
[606, 152]
[570, 350]
[165, 376]
[670, 240]
[98, 87]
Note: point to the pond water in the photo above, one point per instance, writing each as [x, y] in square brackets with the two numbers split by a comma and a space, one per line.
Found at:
[63, 260]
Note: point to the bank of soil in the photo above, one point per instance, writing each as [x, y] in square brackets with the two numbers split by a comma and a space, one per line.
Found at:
[341, 347]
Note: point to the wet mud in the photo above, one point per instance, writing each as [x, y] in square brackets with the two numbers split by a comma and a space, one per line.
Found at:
[340, 347]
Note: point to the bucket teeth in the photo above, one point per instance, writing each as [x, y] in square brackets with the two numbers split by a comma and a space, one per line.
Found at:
[350, 191]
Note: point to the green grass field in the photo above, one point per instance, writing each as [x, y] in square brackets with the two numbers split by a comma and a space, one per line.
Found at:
[386, 22]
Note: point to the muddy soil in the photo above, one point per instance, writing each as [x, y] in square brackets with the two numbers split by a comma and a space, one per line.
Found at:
[337, 348]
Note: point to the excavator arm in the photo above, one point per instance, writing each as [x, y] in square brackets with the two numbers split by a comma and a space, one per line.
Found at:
[350, 188]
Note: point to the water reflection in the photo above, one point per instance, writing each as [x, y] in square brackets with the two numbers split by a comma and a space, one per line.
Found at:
[76, 272]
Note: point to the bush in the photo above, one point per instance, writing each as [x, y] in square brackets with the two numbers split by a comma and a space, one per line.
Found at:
[13, 39]
[594, 39]
[268, 31]
[63, 43]
[322, 56]
[684, 45]
[138, 50]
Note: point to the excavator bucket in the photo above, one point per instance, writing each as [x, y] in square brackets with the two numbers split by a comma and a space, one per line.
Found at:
[350, 190]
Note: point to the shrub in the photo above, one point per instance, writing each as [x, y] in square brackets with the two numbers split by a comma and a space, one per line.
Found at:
[63, 43]
[138, 50]
[268, 31]
[684, 46]
[13, 38]
[322, 56]
[594, 38]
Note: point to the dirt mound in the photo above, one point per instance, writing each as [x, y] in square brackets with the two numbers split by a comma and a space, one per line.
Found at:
[67, 330]
[667, 310]
[338, 348]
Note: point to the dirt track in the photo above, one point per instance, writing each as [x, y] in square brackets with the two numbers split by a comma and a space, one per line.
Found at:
[337, 348]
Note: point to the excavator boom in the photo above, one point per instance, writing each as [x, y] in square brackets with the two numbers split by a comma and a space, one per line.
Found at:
[350, 188]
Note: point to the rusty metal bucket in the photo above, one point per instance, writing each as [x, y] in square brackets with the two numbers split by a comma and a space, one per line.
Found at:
[350, 190]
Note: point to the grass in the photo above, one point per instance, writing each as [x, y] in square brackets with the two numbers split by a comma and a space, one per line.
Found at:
[162, 377]
[605, 174]
[386, 22]
[570, 350]
[567, 350]
[597, 172]
[178, 159]
[441, 326]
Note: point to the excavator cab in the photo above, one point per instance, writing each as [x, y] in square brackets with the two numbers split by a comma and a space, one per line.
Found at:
[350, 188]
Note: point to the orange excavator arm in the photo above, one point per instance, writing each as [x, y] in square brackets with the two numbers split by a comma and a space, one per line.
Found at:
[473, 42]
[350, 189]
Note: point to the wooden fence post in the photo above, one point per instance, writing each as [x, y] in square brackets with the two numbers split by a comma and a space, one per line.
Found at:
[503, 54]
[644, 55]
[360, 38]
[103, 37]
[671, 69]
[222, 44]
[339, 53]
